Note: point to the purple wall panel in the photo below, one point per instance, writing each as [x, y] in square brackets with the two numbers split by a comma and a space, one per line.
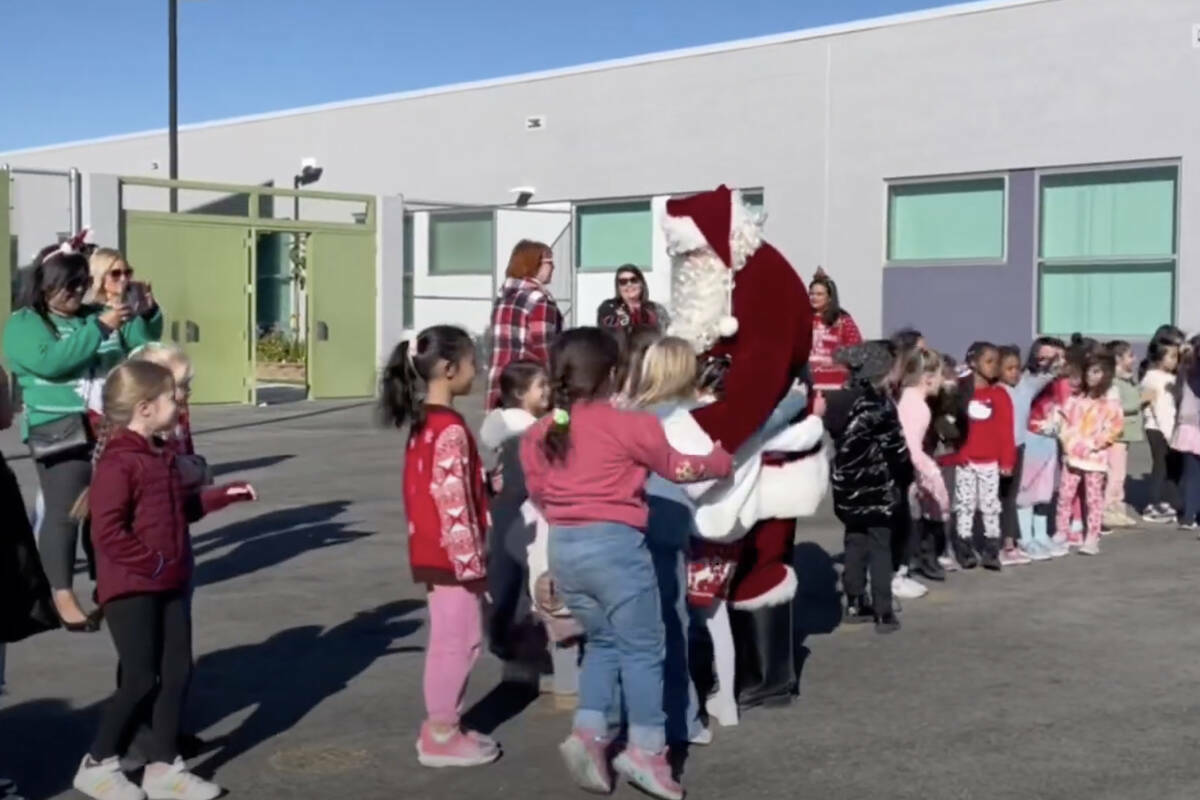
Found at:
[956, 305]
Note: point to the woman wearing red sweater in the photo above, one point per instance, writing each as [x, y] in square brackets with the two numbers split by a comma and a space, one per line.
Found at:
[989, 452]
[140, 515]
[446, 505]
[585, 468]
[833, 329]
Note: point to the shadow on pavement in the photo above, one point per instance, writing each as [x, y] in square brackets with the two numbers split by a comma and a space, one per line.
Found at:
[249, 464]
[271, 539]
[282, 678]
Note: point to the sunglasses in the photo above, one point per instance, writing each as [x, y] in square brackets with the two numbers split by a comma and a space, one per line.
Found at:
[117, 274]
[629, 281]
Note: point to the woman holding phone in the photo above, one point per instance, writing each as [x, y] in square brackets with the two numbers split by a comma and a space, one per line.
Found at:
[60, 348]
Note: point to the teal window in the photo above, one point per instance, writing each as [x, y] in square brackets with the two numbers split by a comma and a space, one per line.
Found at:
[958, 220]
[1107, 251]
[461, 243]
[753, 199]
[612, 234]
[407, 287]
[273, 281]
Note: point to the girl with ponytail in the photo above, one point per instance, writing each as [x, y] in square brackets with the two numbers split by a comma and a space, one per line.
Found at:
[445, 499]
[586, 465]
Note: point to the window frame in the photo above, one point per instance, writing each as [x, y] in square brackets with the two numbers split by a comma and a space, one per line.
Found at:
[577, 232]
[430, 252]
[958, 177]
[1039, 262]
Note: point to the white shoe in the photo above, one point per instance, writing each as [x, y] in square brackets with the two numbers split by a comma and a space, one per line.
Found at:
[1089, 548]
[703, 738]
[176, 783]
[723, 709]
[948, 563]
[104, 780]
[906, 588]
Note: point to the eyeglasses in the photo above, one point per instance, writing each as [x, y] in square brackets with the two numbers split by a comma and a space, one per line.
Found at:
[628, 281]
[117, 274]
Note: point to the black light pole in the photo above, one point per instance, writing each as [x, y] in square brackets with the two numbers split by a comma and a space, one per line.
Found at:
[173, 99]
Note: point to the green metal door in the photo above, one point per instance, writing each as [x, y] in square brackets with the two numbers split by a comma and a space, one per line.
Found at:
[7, 266]
[202, 277]
[341, 315]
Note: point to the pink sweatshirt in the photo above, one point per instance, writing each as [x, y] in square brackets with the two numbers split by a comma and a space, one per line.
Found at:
[603, 478]
[914, 420]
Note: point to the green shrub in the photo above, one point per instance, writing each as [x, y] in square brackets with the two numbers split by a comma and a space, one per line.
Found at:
[279, 348]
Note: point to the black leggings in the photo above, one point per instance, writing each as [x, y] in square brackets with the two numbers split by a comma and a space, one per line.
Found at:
[62, 482]
[1164, 471]
[869, 544]
[1010, 529]
[153, 635]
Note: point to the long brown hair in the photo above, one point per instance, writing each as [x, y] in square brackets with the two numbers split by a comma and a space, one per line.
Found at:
[526, 259]
[581, 369]
[833, 309]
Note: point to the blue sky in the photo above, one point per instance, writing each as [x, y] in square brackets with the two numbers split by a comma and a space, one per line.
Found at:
[249, 56]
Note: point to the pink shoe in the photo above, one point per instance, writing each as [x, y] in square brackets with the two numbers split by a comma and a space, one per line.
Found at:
[649, 772]
[1014, 557]
[456, 749]
[1075, 540]
[585, 754]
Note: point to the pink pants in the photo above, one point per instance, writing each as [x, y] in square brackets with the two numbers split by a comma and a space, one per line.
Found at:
[1118, 468]
[455, 640]
[1068, 491]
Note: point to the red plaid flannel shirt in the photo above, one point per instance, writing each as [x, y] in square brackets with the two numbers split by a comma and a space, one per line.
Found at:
[524, 321]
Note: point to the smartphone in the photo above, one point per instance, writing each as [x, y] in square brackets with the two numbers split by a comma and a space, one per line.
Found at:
[135, 298]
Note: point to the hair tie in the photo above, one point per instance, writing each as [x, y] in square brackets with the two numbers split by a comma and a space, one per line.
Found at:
[561, 417]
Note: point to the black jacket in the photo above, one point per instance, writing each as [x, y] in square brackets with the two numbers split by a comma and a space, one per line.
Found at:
[872, 468]
[25, 605]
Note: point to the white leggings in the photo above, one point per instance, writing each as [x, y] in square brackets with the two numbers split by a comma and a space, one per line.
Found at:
[722, 705]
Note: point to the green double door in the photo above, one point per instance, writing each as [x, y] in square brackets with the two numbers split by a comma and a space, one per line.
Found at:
[204, 279]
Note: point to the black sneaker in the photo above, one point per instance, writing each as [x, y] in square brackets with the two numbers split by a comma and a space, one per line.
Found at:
[858, 611]
[990, 557]
[964, 553]
[887, 623]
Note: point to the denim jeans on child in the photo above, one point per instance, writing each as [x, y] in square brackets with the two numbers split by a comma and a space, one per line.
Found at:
[606, 576]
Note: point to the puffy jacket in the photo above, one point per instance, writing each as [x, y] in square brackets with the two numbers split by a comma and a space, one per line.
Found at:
[872, 468]
[140, 515]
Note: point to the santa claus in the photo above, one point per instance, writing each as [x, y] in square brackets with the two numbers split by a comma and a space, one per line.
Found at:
[736, 298]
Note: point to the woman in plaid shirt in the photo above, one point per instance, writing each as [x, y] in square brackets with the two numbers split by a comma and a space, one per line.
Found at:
[525, 318]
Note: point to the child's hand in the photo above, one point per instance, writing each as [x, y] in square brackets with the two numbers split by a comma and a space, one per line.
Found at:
[1149, 396]
[819, 404]
[496, 480]
[1007, 473]
[240, 493]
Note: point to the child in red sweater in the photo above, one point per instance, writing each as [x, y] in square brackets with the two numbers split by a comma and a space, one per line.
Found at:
[989, 452]
[446, 505]
[585, 468]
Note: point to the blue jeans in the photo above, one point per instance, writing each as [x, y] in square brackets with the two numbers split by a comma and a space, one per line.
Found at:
[1191, 487]
[606, 576]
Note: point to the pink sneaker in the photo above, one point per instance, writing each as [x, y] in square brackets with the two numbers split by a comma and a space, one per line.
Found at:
[1014, 557]
[585, 754]
[456, 749]
[1075, 541]
[649, 772]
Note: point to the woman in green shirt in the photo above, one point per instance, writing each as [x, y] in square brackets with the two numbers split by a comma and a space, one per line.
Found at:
[58, 348]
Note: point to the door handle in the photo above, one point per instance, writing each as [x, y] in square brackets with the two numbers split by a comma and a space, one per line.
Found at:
[192, 331]
[322, 332]
[175, 331]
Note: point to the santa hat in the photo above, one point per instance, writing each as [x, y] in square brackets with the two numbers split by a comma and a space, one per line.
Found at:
[718, 220]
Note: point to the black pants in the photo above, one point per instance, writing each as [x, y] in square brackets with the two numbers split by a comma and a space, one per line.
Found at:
[1010, 528]
[507, 581]
[153, 635]
[62, 482]
[871, 545]
[1164, 472]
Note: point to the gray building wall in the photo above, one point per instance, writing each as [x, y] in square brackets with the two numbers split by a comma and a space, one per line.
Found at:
[821, 122]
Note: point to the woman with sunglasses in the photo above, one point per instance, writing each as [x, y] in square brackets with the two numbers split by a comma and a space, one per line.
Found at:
[58, 347]
[631, 308]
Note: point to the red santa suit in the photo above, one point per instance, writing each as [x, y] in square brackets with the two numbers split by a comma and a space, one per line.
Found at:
[736, 296]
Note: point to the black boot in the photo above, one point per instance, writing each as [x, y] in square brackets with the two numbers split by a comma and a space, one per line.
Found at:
[766, 669]
[927, 552]
[887, 623]
[965, 553]
[991, 555]
[858, 610]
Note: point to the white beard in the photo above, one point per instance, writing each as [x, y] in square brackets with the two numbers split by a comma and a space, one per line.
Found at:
[700, 286]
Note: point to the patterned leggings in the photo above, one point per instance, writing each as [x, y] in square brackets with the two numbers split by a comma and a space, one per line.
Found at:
[1093, 495]
[977, 488]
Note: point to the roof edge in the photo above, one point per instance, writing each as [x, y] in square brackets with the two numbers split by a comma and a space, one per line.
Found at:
[823, 31]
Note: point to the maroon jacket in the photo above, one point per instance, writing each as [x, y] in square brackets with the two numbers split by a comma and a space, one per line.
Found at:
[140, 517]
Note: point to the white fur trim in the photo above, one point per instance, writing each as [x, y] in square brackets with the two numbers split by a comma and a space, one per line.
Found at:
[728, 326]
[794, 489]
[745, 232]
[502, 424]
[776, 596]
[797, 438]
[682, 234]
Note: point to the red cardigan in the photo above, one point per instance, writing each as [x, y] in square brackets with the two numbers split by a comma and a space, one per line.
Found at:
[445, 500]
[140, 517]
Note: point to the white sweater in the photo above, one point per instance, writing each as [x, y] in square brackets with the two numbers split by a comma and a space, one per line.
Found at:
[1160, 413]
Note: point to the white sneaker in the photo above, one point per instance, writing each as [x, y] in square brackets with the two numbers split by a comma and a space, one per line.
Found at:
[104, 780]
[948, 563]
[906, 588]
[703, 738]
[1089, 548]
[176, 783]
